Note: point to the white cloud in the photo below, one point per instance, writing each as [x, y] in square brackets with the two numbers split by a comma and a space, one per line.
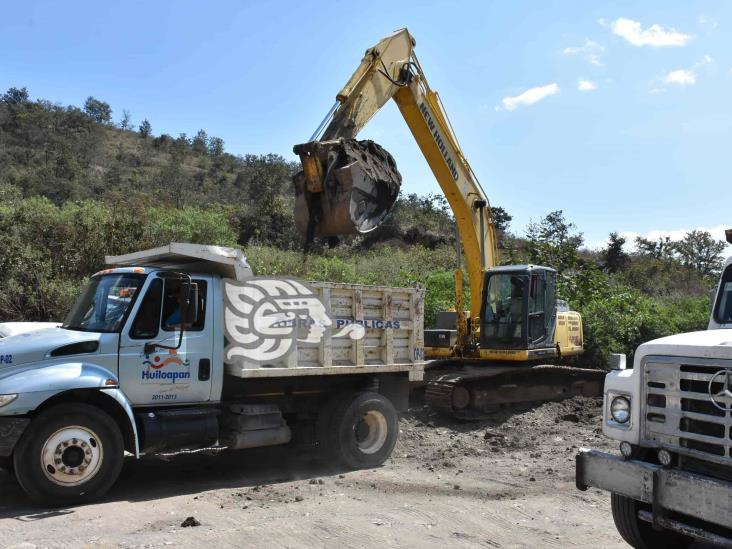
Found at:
[655, 35]
[590, 51]
[529, 97]
[706, 60]
[674, 234]
[680, 77]
[586, 85]
[707, 21]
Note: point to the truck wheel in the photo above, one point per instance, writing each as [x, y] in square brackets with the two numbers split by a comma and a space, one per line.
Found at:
[363, 430]
[70, 453]
[639, 533]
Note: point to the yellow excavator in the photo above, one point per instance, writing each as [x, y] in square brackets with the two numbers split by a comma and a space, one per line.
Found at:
[492, 354]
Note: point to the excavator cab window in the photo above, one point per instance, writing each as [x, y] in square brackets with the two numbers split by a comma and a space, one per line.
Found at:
[542, 307]
[519, 309]
[504, 321]
[537, 305]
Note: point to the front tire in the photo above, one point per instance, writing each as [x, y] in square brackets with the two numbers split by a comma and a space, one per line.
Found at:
[637, 532]
[362, 430]
[70, 453]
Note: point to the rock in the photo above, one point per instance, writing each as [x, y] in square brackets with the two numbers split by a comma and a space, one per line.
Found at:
[299, 498]
[190, 522]
[573, 418]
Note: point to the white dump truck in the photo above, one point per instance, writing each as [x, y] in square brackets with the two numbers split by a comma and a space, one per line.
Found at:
[672, 416]
[181, 347]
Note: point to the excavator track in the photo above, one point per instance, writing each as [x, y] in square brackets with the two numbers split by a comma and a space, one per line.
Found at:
[469, 391]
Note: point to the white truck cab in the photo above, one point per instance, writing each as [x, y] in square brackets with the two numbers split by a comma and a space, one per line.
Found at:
[182, 347]
[672, 416]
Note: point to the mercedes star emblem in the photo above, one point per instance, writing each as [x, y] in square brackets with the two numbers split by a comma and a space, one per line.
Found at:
[723, 398]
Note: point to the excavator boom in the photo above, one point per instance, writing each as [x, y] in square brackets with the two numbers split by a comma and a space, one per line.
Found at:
[348, 186]
[329, 205]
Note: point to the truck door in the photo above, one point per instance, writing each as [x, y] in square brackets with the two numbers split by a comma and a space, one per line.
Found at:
[169, 376]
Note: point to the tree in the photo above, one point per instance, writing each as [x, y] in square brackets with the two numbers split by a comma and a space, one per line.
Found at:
[215, 147]
[501, 219]
[701, 251]
[99, 111]
[613, 257]
[125, 123]
[663, 249]
[145, 128]
[16, 97]
[554, 242]
[200, 142]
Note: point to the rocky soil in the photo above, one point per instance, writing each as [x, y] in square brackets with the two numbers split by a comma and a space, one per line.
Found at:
[504, 482]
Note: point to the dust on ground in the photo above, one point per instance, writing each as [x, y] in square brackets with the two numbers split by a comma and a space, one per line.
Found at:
[504, 482]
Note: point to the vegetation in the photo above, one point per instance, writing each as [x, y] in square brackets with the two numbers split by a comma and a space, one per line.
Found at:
[75, 187]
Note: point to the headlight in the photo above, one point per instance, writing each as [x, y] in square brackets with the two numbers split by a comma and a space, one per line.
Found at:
[7, 399]
[620, 409]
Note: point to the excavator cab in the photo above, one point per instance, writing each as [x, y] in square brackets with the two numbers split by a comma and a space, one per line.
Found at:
[518, 316]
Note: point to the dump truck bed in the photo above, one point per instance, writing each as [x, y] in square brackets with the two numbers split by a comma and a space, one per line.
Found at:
[392, 335]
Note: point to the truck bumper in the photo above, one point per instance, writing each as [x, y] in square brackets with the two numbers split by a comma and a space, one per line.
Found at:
[11, 429]
[666, 490]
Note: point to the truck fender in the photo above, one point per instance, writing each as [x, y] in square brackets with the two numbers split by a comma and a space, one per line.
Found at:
[35, 386]
[124, 402]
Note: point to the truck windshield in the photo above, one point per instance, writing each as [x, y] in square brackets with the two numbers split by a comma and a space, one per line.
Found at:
[105, 303]
[723, 306]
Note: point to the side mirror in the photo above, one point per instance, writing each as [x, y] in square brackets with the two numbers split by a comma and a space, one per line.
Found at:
[616, 361]
[149, 348]
[191, 313]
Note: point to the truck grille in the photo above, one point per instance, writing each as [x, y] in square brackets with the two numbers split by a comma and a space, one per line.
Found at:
[679, 413]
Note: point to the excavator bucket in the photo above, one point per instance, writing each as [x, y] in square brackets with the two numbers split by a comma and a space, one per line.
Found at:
[346, 186]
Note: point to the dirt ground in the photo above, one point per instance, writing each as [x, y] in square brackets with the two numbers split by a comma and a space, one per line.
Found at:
[506, 482]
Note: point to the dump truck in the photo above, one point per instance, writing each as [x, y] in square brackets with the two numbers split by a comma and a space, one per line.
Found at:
[671, 413]
[181, 347]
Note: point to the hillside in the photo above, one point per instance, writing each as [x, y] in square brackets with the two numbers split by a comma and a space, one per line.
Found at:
[74, 186]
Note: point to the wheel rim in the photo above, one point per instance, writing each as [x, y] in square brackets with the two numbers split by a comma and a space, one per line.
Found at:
[371, 431]
[72, 456]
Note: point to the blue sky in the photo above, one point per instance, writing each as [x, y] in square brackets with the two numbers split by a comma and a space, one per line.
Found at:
[644, 146]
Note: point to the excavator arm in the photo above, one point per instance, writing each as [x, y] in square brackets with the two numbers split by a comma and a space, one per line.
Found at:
[390, 70]
[349, 186]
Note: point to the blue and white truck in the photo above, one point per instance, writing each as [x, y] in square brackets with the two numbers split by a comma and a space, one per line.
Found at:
[182, 347]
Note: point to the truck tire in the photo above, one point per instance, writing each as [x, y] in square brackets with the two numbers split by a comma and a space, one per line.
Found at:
[362, 430]
[639, 533]
[70, 453]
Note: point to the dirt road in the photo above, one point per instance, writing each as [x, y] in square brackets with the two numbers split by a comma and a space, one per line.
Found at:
[508, 482]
